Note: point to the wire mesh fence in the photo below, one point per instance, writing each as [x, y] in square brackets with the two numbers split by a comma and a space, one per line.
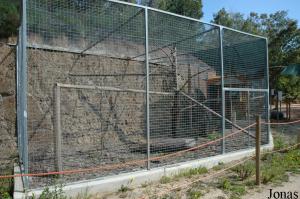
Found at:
[111, 82]
[8, 140]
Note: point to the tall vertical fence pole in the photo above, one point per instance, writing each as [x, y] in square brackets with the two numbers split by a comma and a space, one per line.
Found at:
[222, 89]
[18, 95]
[257, 151]
[23, 94]
[268, 94]
[58, 136]
[147, 88]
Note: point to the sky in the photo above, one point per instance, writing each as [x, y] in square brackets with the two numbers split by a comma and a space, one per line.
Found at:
[246, 6]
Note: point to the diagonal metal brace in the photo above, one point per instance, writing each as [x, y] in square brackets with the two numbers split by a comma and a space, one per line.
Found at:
[217, 114]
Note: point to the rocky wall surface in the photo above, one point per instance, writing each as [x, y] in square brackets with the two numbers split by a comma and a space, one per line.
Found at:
[8, 145]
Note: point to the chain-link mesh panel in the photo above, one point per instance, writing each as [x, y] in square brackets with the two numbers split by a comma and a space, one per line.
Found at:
[245, 60]
[77, 46]
[185, 56]
[8, 142]
[87, 88]
[242, 108]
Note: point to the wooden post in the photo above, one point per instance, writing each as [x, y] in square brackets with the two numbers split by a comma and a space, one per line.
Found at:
[233, 121]
[58, 140]
[257, 151]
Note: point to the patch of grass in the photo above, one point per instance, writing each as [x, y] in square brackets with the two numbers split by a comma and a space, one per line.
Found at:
[245, 170]
[188, 173]
[165, 180]
[224, 184]
[194, 194]
[273, 174]
[55, 193]
[219, 166]
[279, 142]
[292, 161]
[191, 172]
[238, 190]
[235, 190]
[276, 165]
[6, 185]
[124, 189]
[250, 184]
[4, 194]
[5, 189]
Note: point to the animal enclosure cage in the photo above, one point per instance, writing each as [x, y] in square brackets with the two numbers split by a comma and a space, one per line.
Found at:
[110, 87]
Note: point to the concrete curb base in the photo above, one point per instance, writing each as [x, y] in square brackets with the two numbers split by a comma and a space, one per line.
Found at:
[113, 183]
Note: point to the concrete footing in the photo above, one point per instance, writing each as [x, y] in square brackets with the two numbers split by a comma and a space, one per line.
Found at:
[113, 183]
[19, 192]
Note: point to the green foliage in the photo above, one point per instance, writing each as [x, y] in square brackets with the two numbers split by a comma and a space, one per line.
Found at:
[192, 172]
[9, 18]
[273, 174]
[5, 189]
[279, 142]
[190, 8]
[194, 194]
[55, 193]
[188, 173]
[165, 180]
[224, 184]
[235, 190]
[218, 167]
[276, 165]
[282, 32]
[244, 171]
[124, 189]
[6, 185]
[290, 85]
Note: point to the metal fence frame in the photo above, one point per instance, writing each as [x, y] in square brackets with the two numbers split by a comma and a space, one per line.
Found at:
[22, 83]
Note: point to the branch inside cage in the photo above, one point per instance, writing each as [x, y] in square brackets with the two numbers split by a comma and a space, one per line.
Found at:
[217, 114]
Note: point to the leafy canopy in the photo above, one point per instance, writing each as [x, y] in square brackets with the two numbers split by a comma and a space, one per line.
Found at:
[290, 85]
[9, 18]
[190, 8]
[282, 32]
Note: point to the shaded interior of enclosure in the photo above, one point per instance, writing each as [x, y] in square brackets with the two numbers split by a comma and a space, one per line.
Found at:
[96, 52]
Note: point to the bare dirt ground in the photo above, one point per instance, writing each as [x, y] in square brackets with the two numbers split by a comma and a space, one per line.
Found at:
[261, 193]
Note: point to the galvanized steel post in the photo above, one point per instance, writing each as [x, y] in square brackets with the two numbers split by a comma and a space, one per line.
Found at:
[18, 95]
[222, 87]
[23, 90]
[268, 93]
[257, 149]
[147, 88]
